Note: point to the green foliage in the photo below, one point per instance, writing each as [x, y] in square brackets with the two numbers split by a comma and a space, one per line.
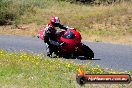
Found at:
[12, 10]
[95, 1]
[7, 14]
[35, 71]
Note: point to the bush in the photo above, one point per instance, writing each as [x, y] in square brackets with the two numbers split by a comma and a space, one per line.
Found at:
[12, 10]
[8, 12]
[96, 1]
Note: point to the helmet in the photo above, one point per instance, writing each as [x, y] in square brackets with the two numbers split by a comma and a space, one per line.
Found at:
[55, 21]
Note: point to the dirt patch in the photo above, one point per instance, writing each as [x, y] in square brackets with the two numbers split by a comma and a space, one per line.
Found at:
[32, 29]
[26, 29]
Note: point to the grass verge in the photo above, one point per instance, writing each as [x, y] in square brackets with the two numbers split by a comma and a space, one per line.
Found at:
[29, 70]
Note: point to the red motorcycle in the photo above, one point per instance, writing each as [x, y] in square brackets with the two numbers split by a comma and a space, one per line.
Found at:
[72, 46]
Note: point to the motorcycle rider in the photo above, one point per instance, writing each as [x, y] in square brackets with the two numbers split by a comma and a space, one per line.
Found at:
[50, 33]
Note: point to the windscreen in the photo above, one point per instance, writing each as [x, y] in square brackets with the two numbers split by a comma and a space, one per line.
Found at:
[69, 35]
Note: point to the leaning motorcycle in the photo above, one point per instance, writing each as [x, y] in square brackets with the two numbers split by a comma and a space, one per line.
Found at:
[71, 47]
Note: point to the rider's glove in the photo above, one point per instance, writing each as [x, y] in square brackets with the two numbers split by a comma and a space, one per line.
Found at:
[63, 43]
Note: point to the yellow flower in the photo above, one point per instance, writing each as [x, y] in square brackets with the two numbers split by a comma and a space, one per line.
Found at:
[37, 63]
[117, 86]
[68, 66]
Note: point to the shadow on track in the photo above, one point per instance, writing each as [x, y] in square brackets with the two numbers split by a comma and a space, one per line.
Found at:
[96, 59]
[81, 58]
[89, 59]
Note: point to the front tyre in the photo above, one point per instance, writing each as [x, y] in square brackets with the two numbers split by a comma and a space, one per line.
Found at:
[88, 53]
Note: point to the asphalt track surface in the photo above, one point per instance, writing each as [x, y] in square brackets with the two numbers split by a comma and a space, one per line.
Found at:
[117, 57]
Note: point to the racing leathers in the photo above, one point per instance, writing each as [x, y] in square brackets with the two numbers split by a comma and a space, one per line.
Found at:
[50, 35]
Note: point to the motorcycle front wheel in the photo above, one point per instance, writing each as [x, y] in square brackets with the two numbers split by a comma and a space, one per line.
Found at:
[85, 51]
